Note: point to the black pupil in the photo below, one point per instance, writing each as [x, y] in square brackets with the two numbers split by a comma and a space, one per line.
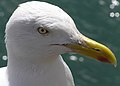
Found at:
[42, 30]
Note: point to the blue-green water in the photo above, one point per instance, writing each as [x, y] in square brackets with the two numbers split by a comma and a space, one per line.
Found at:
[92, 18]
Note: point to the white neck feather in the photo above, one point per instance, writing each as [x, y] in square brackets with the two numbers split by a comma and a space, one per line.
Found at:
[27, 74]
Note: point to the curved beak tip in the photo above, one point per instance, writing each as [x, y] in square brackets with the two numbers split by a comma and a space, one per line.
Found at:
[105, 60]
[115, 65]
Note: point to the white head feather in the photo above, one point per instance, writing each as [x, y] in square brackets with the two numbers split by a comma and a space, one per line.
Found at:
[29, 50]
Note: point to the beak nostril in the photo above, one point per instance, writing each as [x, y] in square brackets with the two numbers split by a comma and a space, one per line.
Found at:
[96, 49]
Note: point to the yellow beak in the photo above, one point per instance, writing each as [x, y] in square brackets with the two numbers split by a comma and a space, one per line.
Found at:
[93, 49]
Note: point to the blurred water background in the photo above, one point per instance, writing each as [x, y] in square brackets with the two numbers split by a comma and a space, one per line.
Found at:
[97, 19]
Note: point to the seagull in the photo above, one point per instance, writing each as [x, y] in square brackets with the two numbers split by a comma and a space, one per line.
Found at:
[37, 34]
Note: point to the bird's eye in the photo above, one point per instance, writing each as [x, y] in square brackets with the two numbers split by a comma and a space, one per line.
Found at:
[42, 30]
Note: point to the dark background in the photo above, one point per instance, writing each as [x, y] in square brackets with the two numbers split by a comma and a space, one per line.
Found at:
[92, 18]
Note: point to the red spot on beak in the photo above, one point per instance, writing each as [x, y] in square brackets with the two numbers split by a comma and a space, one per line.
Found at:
[102, 59]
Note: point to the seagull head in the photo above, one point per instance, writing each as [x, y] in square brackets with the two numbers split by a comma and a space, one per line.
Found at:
[43, 31]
